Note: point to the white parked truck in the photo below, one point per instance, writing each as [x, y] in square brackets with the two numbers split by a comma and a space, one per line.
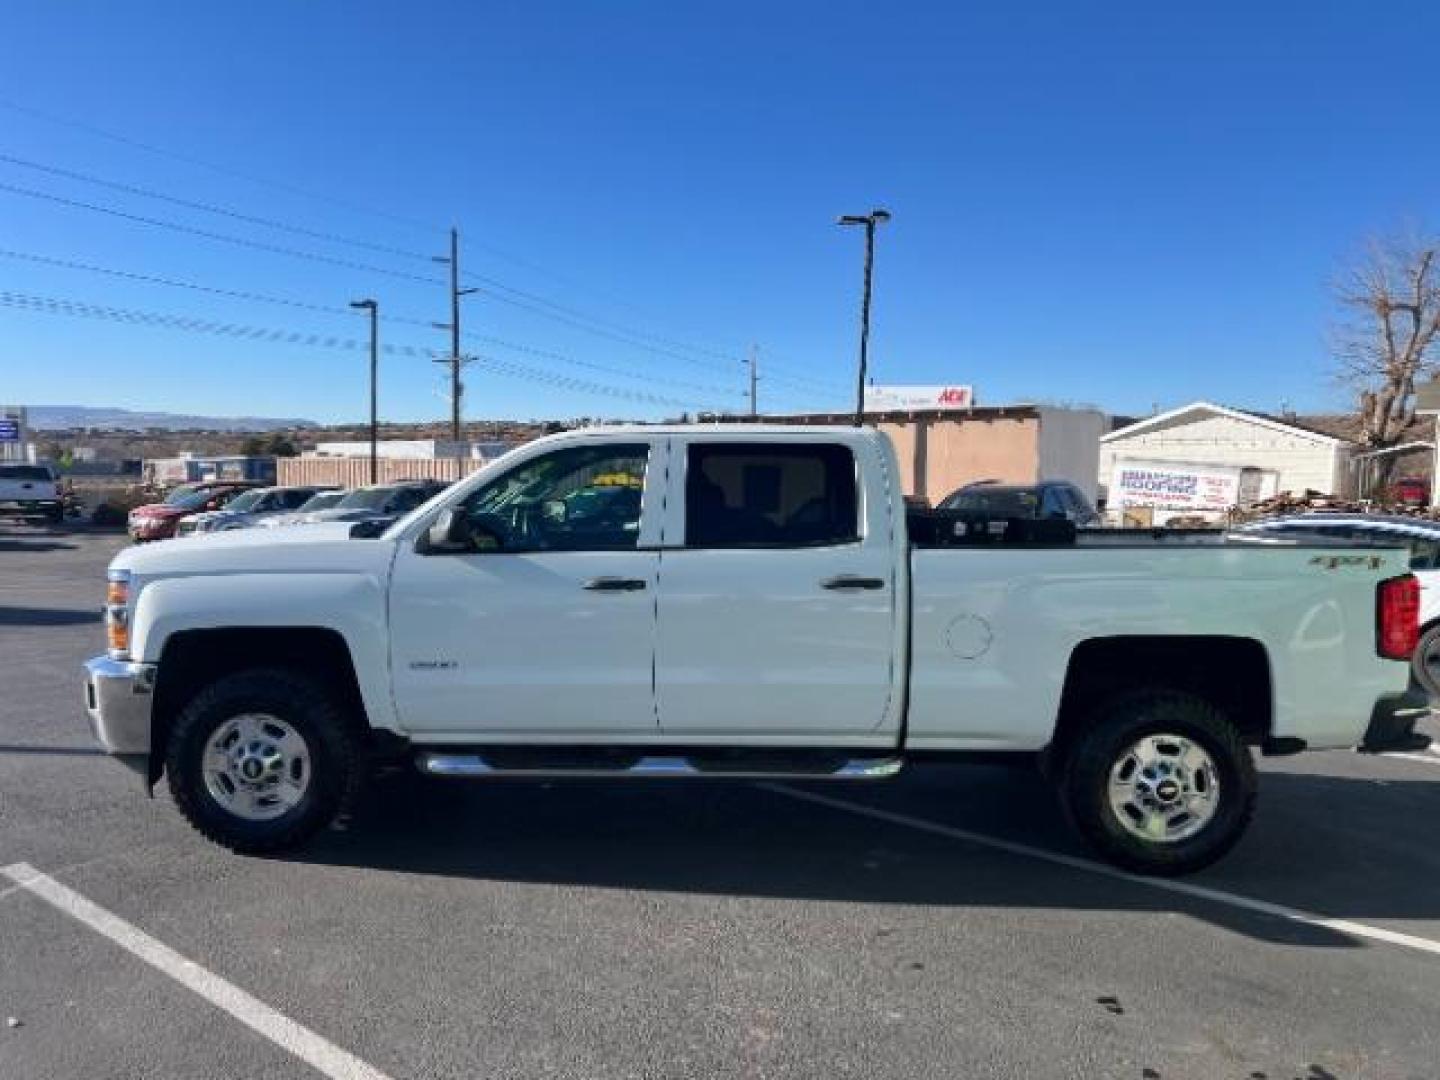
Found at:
[739, 601]
[30, 491]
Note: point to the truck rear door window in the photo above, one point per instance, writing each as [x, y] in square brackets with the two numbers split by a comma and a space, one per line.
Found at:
[770, 495]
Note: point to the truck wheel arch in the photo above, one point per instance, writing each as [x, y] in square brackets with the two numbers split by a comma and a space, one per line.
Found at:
[193, 659]
[1233, 673]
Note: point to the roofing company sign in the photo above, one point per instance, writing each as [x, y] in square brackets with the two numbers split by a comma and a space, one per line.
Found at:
[891, 398]
[1164, 485]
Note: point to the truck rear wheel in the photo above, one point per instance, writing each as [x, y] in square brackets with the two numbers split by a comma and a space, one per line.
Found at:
[261, 760]
[1426, 661]
[1159, 783]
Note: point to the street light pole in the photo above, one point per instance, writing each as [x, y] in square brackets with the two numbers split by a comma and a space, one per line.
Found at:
[754, 378]
[870, 220]
[374, 309]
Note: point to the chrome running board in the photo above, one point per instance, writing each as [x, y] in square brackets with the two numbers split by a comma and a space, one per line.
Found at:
[731, 766]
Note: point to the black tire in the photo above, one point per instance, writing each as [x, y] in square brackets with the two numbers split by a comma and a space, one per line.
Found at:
[1429, 680]
[56, 516]
[1084, 781]
[337, 763]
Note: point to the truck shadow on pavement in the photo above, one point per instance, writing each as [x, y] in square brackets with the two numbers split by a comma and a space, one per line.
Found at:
[1331, 846]
[33, 616]
[12, 543]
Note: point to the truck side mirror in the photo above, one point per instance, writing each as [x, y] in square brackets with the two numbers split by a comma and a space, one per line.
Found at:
[449, 532]
[453, 532]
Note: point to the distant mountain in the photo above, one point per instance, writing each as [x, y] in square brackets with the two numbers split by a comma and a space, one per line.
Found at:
[53, 417]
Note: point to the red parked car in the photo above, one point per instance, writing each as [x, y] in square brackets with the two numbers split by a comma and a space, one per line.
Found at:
[157, 521]
[1411, 491]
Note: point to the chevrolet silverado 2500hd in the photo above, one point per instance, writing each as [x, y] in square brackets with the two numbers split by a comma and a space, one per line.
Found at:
[738, 601]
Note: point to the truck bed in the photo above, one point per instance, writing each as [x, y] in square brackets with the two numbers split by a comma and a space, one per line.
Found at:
[968, 529]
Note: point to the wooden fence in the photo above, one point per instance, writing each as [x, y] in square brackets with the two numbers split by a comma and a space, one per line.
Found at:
[350, 472]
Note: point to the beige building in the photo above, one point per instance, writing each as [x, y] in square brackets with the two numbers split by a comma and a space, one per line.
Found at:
[944, 449]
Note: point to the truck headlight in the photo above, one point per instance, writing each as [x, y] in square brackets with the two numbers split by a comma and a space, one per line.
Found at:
[117, 613]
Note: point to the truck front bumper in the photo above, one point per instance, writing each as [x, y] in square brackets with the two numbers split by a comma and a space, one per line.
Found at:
[1392, 722]
[30, 506]
[119, 698]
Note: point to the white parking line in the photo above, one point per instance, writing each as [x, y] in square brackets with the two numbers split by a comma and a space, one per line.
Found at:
[320, 1053]
[1199, 892]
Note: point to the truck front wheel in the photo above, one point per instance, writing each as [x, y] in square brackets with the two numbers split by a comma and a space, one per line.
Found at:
[1159, 783]
[261, 760]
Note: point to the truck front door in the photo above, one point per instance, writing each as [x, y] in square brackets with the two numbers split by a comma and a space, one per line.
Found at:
[546, 626]
[778, 596]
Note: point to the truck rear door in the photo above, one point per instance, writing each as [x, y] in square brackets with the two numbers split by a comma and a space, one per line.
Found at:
[777, 614]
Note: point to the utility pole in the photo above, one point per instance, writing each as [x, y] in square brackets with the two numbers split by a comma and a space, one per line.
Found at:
[754, 377]
[374, 309]
[870, 220]
[457, 388]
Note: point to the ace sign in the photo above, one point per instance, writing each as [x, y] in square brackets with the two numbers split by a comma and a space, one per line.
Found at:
[896, 398]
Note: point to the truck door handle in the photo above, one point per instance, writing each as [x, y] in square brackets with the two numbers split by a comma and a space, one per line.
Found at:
[615, 584]
[852, 581]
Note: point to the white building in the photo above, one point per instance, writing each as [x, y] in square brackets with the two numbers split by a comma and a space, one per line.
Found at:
[414, 449]
[1232, 451]
[410, 449]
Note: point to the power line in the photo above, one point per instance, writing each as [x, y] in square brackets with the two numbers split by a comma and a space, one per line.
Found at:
[150, 148]
[325, 309]
[82, 309]
[330, 260]
[497, 290]
[211, 208]
[151, 279]
[225, 238]
[573, 313]
[573, 316]
[293, 189]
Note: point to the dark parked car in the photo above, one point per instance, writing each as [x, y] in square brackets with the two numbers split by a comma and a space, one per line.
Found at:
[1047, 499]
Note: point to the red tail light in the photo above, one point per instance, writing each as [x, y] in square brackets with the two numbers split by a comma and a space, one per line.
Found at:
[1397, 617]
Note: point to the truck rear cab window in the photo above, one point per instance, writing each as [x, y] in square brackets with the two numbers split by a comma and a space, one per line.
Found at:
[770, 495]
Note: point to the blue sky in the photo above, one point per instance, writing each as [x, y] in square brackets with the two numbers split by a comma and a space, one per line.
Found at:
[1125, 204]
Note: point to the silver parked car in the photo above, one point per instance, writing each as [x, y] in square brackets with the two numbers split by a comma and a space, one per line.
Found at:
[248, 510]
[323, 500]
[379, 505]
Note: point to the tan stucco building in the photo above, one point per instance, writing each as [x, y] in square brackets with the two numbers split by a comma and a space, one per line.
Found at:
[941, 449]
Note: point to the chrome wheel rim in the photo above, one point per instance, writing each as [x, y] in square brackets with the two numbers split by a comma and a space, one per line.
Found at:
[1164, 789]
[256, 766]
[1430, 661]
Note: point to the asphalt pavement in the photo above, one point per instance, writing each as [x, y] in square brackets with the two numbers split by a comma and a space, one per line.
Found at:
[941, 925]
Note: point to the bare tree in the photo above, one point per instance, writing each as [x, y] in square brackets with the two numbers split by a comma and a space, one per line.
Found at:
[1388, 341]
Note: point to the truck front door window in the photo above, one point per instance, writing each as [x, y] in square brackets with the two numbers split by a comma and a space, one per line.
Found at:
[579, 499]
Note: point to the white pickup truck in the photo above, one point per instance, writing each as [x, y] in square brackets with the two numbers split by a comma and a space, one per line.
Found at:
[739, 601]
[30, 491]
